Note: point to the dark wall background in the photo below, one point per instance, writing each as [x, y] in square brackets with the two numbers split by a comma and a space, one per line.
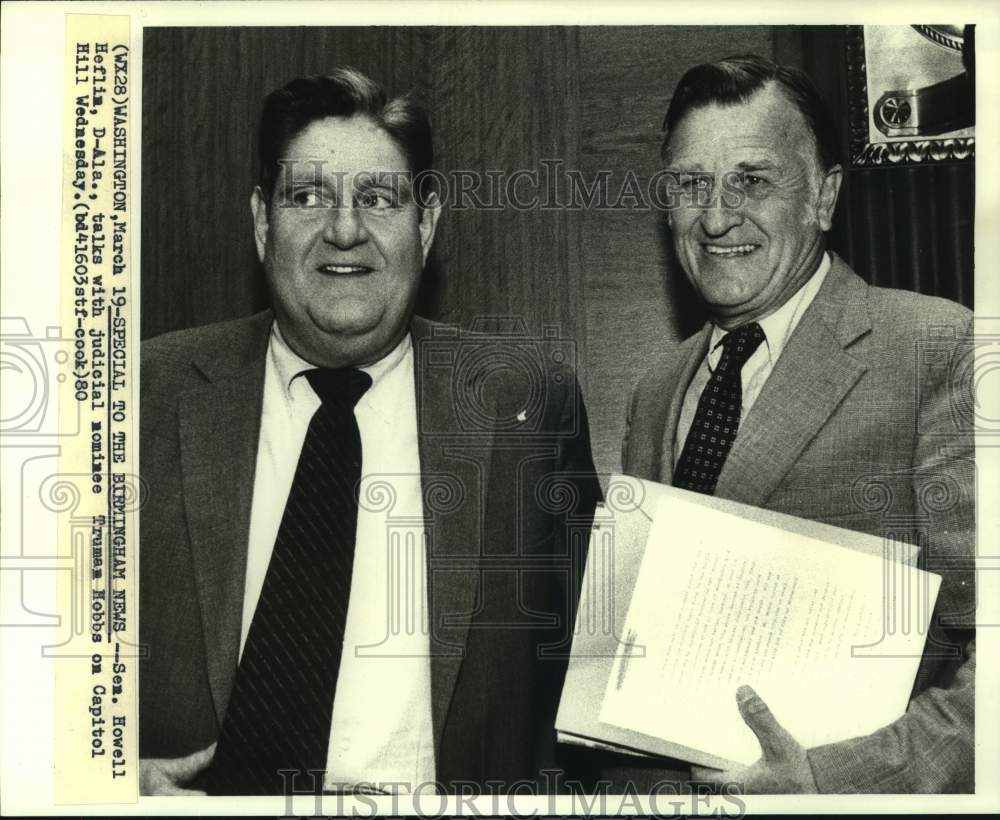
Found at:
[506, 98]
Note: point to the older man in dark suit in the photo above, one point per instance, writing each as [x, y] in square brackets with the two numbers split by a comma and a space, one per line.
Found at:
[356, 556]
[811, 393]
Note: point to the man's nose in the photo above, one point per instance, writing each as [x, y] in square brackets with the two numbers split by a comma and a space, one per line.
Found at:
[719, 216]
[345, 226]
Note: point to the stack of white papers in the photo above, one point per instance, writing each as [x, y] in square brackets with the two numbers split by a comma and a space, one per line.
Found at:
[686, 597]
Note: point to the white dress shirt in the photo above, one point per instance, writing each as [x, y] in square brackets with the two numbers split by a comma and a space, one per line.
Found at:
[381, 730]
[777, 327]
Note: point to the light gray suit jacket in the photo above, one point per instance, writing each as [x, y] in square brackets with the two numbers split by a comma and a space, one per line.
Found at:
[508, 501]
[865, 423]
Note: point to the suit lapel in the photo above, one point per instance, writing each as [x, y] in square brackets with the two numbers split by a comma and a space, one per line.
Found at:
[808, 382]
[454, 533]
[219, 428]
[698, 347]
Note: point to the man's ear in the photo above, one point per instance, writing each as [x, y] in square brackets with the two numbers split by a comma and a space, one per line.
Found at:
[258, 206]
[428, 223]
[829, 190]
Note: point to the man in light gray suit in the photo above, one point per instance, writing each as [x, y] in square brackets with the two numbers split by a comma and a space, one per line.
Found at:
[811, 393]
[357, 552]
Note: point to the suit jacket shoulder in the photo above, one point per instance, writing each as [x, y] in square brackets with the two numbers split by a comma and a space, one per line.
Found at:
[172, 358]
[902, 322]
[908, 309]
[851, 307]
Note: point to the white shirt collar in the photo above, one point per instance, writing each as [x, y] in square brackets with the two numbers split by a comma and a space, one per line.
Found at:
[290, 366]
[777, 326]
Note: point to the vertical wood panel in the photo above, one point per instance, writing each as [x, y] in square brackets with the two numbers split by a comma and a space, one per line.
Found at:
[505, 99]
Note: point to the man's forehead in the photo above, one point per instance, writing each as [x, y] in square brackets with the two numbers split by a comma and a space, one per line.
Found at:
[343, 145]
[733, 150]
[765, 129]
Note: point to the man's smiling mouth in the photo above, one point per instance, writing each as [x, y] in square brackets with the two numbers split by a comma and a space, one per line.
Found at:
[343, 270]
[729, 250]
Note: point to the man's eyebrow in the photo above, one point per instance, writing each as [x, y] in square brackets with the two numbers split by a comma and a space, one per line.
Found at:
[385, 179]
[685, 168]
[756, 165]
[313, 181]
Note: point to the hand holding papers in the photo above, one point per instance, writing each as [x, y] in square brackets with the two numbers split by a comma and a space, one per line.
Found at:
[711, 595]
[783, 767]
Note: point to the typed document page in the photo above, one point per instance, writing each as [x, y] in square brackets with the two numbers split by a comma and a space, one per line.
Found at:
[828, 636]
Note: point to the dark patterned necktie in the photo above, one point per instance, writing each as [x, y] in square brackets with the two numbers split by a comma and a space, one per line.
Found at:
[281, 706]
[718, 415]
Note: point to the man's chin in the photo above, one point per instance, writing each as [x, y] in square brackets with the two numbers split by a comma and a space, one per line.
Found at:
[348, 328]
[346, 344]
[346, 322]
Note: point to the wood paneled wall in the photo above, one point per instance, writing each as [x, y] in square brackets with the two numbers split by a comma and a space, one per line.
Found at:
[500, 99]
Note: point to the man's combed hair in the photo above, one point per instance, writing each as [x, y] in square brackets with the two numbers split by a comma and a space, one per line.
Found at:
[344, 92]
[734, 80]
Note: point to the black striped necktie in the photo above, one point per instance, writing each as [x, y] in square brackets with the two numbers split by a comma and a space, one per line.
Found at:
[718, 415]
[281, 706]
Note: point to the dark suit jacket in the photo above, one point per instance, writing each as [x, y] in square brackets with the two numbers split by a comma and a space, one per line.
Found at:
[508, 499]
[864, 423]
